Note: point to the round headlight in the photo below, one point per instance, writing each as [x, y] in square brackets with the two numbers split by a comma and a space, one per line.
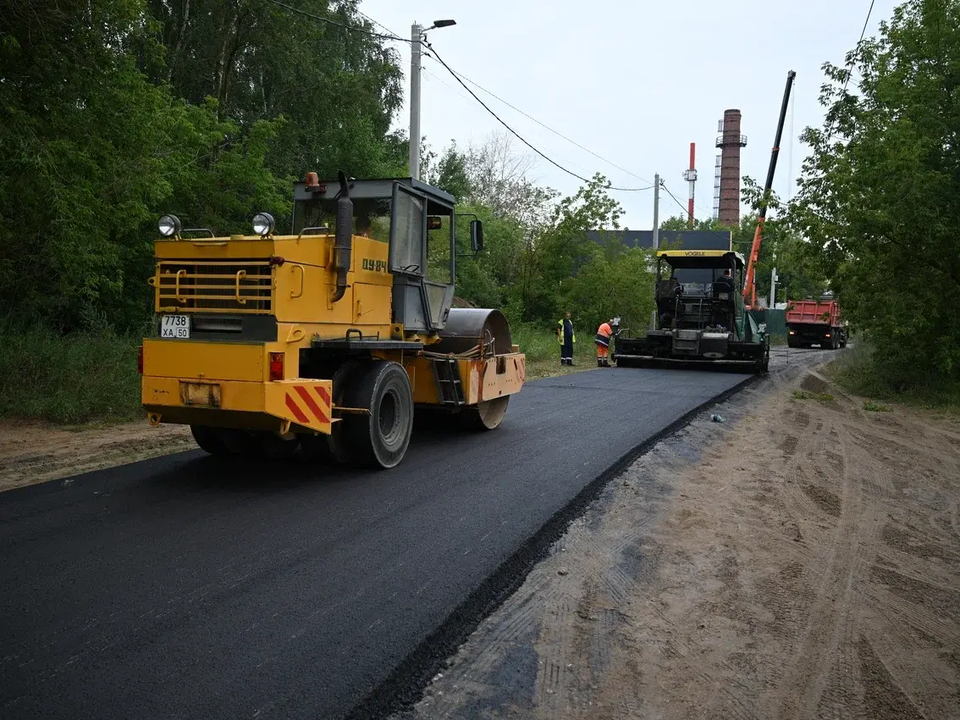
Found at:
[263, 224]
[169, 225]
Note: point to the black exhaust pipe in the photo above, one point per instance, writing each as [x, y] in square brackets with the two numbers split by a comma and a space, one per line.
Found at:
[344, 237]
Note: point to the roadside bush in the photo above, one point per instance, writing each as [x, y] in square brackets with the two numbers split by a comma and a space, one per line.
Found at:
[74, 378]
[859, 370]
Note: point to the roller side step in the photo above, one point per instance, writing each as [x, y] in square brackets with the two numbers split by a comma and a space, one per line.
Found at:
[449, 387]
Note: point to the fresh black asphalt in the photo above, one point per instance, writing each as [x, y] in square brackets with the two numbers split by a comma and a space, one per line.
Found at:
[185, 587]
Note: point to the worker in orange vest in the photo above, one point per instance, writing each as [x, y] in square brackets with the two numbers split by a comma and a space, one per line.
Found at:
[603, 343]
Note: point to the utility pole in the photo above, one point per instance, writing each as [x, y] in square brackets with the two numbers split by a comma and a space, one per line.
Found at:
[416, 40]
[773, 288]
[656, 212]
[416, 32]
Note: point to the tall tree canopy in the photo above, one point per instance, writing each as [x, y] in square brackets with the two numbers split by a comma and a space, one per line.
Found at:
[880, 194]
[114, 111]
[338, 88]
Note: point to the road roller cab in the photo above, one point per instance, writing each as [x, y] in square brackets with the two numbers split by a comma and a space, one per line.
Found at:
[326, 341]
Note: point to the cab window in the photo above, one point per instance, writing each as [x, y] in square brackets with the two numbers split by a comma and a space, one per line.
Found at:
[313, 213]
[408, 238]
[439, 242]
[371, 218]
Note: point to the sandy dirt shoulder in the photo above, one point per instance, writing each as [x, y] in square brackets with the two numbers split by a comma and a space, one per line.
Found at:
[33, 452]
[800, 560]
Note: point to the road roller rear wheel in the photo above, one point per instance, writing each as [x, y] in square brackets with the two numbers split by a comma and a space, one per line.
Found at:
[380, 439]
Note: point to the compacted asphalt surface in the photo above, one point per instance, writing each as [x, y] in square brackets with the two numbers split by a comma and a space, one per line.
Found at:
[187, 587]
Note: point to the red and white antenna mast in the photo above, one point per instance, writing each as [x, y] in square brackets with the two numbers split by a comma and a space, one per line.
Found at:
[690, 175]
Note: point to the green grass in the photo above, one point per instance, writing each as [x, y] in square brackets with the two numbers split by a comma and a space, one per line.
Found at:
[92, 377]
[857, 371]
[807, 395]
[69, 379]
[543, 351]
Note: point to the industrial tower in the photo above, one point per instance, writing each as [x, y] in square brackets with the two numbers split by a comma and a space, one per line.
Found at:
[726, 192]
[690, 175]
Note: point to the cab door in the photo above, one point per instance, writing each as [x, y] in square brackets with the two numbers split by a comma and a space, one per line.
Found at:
[441, 258]
[408, 259]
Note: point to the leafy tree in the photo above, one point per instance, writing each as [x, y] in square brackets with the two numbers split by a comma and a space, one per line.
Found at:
[485, 279]
[679, 223]
[451, 174]
[621, 285]
[84, 142]
[782, 246]
[489, 181]
[551, 258]
[498, 180]
[338, 88]
[879, 194]
[114, 111]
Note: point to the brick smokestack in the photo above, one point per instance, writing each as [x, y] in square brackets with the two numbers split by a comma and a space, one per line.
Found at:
[730, 142]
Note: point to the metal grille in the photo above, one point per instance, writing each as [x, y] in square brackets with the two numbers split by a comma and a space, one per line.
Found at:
[696, 313]
[240, 286]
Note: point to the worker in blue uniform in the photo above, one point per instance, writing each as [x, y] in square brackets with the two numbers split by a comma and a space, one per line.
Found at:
[566, 337]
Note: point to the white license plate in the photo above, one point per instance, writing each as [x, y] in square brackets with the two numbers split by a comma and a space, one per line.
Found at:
[175, 326]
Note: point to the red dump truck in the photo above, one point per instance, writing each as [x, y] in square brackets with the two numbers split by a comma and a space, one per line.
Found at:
[815, 322]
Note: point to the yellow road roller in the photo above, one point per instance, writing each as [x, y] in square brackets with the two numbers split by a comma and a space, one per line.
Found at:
[325, 342]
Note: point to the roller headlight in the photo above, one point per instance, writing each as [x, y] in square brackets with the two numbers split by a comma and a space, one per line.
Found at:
[169, 225]
[263, 224]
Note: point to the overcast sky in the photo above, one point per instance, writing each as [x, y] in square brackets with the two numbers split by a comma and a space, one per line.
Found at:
[633, 81]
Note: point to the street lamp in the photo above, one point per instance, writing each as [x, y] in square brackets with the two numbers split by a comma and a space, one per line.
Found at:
[416, 37]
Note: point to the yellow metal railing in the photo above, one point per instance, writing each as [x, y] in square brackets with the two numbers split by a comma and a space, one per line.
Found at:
[234, 286]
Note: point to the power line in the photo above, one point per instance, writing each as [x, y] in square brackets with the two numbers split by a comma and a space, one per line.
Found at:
[394, 36]
[718, 233]
[679, 204]
[447, 85]
[518, 135]
[683, 207]
[468, 99]
[555, 132]
[853, 57]
[345, 26]
[380, 24]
